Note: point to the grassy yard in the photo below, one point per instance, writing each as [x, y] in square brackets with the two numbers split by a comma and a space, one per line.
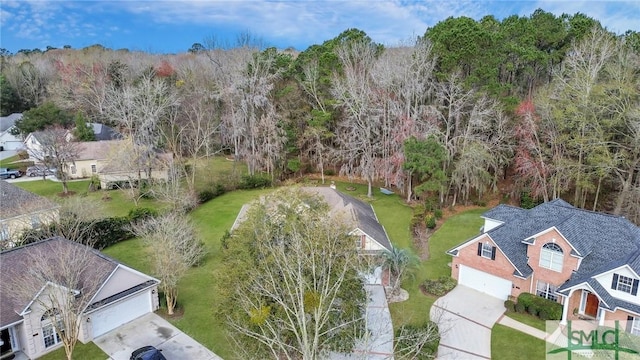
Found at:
[197, 295]
[508, 344]
[117, 203]
[81, 352]
[455, 230]
[530, 320]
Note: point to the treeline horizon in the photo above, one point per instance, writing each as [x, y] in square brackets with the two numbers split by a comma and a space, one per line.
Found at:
[550, 103]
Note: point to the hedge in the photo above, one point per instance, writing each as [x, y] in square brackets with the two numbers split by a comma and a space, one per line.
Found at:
[536, 304]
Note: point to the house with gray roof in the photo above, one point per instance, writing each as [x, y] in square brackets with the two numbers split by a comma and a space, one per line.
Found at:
[111, 293]
[588, 261]
[8, 141]
[21, 210]
[371, 236]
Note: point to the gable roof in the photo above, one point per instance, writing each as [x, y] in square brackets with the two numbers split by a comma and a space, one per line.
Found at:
[598, 238]
[361, 212]
[17, 201]
[6, 122]
[18, 260]
[104, 132]
[96, 150]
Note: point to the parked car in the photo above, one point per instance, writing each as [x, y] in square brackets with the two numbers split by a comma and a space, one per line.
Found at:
[8, 173]
[39, 170]
[147, 353]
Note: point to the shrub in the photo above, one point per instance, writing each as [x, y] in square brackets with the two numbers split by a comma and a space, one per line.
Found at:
[543, 315]
[520, 308]
[510, 305]
[214, 190]
[141, 213]
[254, 182]
[439, 287]
[532, 310]
[410, 341]
[551, 308]
[329, 172]
[437, 213]
[431, 222]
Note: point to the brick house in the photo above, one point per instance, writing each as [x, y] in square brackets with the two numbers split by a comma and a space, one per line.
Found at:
[587, 261]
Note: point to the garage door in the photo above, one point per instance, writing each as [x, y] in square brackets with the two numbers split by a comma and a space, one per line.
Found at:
[119, 313]
[13, 145]
[483, 282]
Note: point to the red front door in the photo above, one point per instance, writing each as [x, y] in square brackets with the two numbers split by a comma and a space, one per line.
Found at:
[591, 308]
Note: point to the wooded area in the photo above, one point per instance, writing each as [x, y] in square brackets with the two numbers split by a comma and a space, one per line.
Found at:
[548, 104]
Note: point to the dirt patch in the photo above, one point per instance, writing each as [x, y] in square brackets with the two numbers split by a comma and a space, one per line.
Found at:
[421, 237]
[68, 194]
[178, 313]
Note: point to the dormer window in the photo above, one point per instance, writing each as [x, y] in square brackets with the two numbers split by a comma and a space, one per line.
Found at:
[551, 257]
[625, 284]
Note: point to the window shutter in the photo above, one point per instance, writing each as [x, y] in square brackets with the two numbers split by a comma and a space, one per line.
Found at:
[614, 283]
[629, 323]
[493, 253]
[479, 249]
[634, 289]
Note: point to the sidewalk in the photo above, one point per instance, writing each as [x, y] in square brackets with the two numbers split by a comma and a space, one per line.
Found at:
[530, 330]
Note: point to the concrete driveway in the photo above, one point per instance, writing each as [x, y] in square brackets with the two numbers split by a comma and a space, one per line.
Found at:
[465, 318]
[153, 330]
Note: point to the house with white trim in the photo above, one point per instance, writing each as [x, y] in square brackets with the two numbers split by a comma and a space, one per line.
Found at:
[8, 141]
[371, 236]
[122, 295]
[588, 261]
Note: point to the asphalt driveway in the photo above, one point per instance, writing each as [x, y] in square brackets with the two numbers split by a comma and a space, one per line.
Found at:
[153, 330]
[465, 318]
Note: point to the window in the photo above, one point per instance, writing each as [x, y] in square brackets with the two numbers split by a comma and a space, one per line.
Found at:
[486, 250]
[49, 333]
[551, 257]
[73, 169]
[546, 290]
[361, 242]
[633, 325]
[625, 284]
[93, 168]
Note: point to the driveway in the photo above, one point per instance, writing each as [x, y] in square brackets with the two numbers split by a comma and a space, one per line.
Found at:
[465, 318]
[153, 330]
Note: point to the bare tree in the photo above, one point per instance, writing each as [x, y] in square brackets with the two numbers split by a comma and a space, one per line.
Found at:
[174, 249]
[60, 277]
[294, 290]
[56, 151]
[360, 133]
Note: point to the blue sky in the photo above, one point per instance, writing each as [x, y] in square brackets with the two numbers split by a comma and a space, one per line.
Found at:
[173, 26]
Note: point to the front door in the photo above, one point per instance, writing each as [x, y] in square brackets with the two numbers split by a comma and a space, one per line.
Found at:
[591, 308]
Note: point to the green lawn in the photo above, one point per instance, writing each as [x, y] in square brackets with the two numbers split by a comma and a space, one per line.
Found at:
[455, 230]
[530, 320]
[117, 203]
[509, 344]
[197, 295]
[81, 352]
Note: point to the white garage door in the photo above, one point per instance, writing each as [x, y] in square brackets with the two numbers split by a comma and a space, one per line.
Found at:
[483, 282]
[13, 145]
[120, 313]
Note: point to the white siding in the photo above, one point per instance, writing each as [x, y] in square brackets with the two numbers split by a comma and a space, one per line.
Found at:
[490, 224]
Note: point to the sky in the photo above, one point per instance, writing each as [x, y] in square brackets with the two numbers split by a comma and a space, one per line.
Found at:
[174, 26]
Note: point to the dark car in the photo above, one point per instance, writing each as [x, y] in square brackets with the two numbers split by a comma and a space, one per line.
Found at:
[39, 170]
[9, 174]
[147, 353]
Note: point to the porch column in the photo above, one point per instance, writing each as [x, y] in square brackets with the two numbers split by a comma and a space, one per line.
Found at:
[602, 316]
[565, 308]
